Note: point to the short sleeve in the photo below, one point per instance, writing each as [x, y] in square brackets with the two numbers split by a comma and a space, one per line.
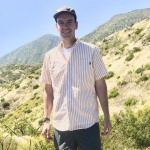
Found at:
[100, 70]
[45, 73]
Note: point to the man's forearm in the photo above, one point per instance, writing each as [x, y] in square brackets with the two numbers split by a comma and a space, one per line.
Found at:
[48, 101]
[101, 91]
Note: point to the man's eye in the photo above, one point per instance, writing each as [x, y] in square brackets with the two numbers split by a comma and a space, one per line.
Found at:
[60, 23]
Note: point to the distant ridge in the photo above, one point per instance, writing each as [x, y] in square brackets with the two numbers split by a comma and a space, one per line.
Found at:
[116, 23]
[32, 52]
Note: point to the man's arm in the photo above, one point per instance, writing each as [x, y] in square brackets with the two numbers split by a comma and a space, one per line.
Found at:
[48, 100]
[101, 90]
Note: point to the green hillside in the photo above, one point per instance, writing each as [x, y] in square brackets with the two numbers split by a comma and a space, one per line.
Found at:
[126, 55]
[116, 23]
[32, 52]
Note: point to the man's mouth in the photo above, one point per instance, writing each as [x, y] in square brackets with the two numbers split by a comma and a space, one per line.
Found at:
[66, 32]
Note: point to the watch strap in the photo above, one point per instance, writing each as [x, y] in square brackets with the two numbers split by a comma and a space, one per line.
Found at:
[44, 119]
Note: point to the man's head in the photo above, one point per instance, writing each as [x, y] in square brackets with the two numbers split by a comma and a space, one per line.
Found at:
[67, 10]
[66, 23]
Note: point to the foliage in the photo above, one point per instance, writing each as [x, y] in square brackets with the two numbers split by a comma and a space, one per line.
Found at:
[147, 67]
[148, 38]
[130, 57]
[118, 77]
[143, 78]
[113, 93]
[27, 111]
[136, 49]
[40, 122]
[5, 104]
[130, 102]
[2, 115]
[110, 74]
[139, 70]
[138, 31]
[123, 47]
[35, 86]
[109, 65]
[17, 86]
[2, 100]
[122, 83]
[112, 26]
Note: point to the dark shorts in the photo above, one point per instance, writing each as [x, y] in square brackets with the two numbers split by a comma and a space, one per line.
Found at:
[84, 139]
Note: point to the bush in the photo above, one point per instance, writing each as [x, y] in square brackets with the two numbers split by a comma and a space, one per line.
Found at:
[36, 77]
[122, 83]
[143, 78]
[130, 102]
[147, 67]
[40, 122]
[2, 115]
[5, 104]
[28, 111]
[17, 86]
[123, 47]
[118, 77]
[116, 53]
[131, 56]
[111, 74]
[35, 86]
[139, 70]
[138, 31]
[109, 65]
[113, 93]
[148, 38]
[2, 100]
[136, 49]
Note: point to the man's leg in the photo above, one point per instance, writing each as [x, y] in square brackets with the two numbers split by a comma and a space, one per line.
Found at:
[64, 140]
[88, 139]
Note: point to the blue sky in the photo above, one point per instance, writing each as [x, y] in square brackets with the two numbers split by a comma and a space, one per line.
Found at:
[22, 21]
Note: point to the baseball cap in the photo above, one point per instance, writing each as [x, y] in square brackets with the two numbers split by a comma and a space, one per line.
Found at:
[65, 9]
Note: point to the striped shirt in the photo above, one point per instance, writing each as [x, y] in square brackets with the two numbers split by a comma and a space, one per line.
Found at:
[75, 104]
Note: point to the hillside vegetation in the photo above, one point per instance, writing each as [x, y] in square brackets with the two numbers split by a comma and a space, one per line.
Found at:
[32, 52]
[127, 57]
[116, 23]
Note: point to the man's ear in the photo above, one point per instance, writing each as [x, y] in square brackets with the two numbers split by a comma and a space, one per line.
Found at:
[56, 26]
[76, 25]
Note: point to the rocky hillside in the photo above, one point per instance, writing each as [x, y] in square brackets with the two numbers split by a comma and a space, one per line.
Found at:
[116, 23]
[32, 52]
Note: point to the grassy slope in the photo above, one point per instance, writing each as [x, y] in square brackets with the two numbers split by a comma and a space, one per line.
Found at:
[24, 98]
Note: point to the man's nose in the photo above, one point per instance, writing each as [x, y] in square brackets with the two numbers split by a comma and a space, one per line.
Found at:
[65, 25]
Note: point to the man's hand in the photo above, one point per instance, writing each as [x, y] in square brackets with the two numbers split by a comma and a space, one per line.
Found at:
[46, 131]
[107, 125]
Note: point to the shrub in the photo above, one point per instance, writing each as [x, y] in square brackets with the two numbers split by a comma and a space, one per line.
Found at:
[143, 78]
[130, 102]
[28, 111]
[138, 31]
[116, 53]
[17, 86]
[148, 38]
[40, 122]
[113, 93]
[139, 70]
[36, 77]
[109, 75]
[122, 83]
[35, 86]
[2, 115]
[118, 77]
[131, 56]
[109, 65]
[2, 100]
[136, 49]
[129, 72]
[123, 47]
[147, 67]
[5, 104]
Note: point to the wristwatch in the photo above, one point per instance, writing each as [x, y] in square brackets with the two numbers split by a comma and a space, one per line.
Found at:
[44, 119]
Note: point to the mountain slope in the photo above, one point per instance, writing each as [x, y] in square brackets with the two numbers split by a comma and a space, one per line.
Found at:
[32, 52]
[116, 23]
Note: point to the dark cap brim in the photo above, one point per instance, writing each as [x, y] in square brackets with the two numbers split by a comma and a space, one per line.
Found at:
[56, 15]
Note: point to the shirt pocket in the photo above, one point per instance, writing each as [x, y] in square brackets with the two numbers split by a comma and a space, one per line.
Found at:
[85, 72]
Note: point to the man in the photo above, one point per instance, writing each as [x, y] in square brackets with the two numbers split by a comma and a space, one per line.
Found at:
[73, 74]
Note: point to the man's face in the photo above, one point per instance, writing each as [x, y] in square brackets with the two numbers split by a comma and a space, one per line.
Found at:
[66, 25]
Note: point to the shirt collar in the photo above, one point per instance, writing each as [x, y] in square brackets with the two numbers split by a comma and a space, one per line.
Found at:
[60, 46]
